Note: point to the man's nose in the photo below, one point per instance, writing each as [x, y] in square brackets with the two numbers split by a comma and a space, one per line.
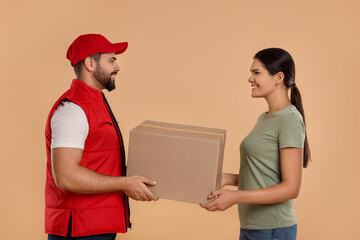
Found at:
[117, 68]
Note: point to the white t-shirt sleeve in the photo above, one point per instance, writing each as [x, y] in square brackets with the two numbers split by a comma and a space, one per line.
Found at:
[69, 126]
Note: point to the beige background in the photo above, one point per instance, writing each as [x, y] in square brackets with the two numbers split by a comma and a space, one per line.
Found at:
[187, 62]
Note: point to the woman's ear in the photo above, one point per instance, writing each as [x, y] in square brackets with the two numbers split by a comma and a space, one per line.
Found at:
[279, 78]
[90, 64]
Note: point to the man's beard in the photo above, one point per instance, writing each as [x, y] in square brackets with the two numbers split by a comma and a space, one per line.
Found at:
[104, 78]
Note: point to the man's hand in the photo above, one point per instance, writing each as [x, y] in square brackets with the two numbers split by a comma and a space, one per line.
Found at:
[135, 188]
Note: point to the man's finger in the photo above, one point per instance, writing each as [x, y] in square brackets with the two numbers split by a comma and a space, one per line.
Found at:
[149, 181]
[150, 196]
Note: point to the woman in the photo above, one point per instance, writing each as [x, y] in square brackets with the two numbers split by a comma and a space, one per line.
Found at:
[272, 155]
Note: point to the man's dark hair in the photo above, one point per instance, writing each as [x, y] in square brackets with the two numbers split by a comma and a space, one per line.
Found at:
[78, 66]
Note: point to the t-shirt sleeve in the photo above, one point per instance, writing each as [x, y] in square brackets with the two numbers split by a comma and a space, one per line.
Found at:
[69, 126]
[291, 131]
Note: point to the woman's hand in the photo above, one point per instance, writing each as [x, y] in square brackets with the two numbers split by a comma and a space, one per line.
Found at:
[291, 170]
[223, 199]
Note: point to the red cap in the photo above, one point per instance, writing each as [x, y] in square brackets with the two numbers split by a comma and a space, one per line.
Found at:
[89, 44]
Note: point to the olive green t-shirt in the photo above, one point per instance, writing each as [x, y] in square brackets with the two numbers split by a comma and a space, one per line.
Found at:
[260, 166]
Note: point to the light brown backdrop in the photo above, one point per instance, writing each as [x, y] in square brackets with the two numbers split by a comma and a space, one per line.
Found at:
[187, 62]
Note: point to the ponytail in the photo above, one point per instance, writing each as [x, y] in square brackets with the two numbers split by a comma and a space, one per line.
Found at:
[295, 98]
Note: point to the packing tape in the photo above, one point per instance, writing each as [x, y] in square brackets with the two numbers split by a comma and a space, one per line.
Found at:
[184, 130]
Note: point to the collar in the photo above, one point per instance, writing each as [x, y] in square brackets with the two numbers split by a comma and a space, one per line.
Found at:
[90, 91]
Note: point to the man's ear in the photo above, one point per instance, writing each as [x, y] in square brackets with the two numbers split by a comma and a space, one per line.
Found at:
[279, 78]
[90, 64]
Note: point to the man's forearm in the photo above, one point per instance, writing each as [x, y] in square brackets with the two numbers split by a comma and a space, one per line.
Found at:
[71, 176]
[83, 180]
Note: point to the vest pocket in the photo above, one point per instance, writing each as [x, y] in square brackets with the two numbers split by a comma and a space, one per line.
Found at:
[103, 124]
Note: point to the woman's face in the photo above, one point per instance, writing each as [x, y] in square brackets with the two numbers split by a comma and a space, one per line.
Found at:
[262, 83]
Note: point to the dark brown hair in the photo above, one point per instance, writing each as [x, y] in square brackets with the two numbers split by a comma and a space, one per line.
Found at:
[278, 60]
[78, 66]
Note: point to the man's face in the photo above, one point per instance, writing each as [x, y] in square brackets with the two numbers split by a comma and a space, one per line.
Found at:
[106, 70]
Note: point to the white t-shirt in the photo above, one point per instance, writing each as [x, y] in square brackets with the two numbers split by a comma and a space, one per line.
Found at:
[69, 126]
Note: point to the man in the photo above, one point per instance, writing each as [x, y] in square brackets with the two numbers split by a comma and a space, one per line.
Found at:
[86, 188]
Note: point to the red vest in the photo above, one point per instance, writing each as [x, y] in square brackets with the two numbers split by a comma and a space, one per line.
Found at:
[103, 153]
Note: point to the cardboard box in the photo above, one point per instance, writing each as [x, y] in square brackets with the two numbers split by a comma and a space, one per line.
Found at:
[185, 161]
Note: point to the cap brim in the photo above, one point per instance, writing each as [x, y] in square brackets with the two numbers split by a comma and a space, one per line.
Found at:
[117, 48]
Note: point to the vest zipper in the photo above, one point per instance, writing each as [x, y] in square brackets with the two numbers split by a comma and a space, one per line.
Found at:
[123, 165]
